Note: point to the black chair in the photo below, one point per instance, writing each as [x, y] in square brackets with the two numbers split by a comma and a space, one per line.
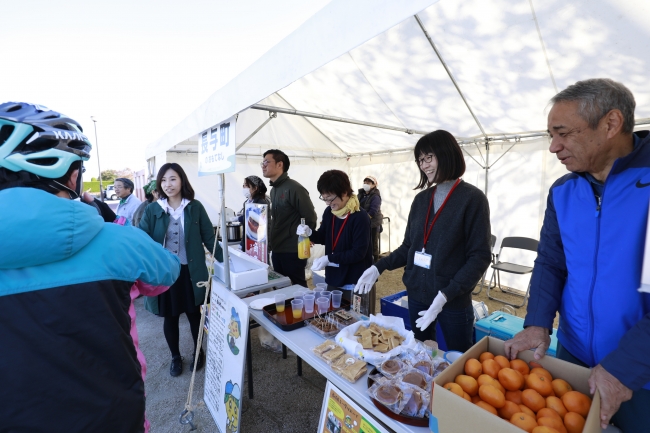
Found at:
[513, 268]
[493, 241]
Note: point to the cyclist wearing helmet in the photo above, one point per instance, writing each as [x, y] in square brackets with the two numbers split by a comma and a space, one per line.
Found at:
[68, 359]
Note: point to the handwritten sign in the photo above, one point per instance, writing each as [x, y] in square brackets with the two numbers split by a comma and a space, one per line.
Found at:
[340, 414]
[224, 373]
[217, 149]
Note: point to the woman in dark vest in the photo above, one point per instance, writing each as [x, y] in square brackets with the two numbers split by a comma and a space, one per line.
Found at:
[370, 201]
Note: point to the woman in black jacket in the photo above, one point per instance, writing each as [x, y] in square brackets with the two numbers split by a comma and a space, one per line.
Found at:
[446, 246]
[370, 201]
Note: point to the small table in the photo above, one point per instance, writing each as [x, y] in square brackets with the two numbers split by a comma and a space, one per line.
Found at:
[300, 341]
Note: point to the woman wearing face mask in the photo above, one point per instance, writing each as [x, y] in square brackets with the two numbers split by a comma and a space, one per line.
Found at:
[183, 227]
[345, 232]
[446, 246]
[370, 201]
[254, 190]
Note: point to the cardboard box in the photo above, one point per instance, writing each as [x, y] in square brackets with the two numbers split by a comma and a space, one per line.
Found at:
[256, 272]
[457, 415]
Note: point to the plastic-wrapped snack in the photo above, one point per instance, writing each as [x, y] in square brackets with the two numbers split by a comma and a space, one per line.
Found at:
[416, 377]
[324, 347]
[391, 367]
[392, 394]
[343, 361]
[424, 366]
[331, 355]
[417, 404]
[354, 371]
[438, 366]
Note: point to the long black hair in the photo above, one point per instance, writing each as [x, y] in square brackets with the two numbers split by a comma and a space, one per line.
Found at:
[186, 188]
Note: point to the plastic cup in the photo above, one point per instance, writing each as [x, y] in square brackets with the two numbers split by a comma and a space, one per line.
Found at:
[321, 286]
[337, 295]
[323, 305]
[309, 303]
[299, 294]
[279, 303]
[327, 295]
[296, 307]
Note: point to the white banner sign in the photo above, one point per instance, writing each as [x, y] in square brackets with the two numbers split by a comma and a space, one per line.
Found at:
[224, 369]
[217, 149]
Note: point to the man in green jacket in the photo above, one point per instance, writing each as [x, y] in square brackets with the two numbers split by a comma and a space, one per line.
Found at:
[289, 203]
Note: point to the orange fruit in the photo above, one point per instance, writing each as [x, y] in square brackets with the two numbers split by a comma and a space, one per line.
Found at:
[508, 410]
[513, 396]
[526, 410]
[561, 387]
[502, 361]
[487, 407]
[575, 401]
[467, 397]
[491, 368]
[484, 356]
[557, 405]
[574, 422]
[510, 379]
[524, 421]
[520, 365]
[542, 372]
[533, 399]
[475, 399]
[523, 380]
[484, 379]
[534, 364]
[545, 412]
[555, 423]
[468, 383]
[540, 384]
[455, 388]
[544, 429]
[491, 395]
[473, 368]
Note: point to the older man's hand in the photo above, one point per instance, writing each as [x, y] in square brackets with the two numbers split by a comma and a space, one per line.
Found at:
[533, 337]
[612, 393]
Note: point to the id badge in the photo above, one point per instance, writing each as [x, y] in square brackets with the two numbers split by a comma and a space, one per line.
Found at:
[422, 260]
[334, 265]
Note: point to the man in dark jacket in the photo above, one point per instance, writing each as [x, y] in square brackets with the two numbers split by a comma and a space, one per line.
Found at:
[370, 201]
[289, 203]
[590, 254]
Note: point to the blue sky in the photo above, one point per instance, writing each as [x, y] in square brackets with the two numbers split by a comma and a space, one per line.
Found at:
[139, 67]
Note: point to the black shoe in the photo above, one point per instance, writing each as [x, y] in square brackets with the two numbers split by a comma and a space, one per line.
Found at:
[177, 366]
[199, 363]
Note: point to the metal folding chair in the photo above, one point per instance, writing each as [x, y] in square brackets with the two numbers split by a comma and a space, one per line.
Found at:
[493, 241]
[513, 268]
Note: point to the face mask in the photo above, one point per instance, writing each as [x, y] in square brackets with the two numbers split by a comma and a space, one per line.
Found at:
[366, 187]
[246, 192]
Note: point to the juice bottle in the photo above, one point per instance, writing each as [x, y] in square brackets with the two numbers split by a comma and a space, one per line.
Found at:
[303, 244]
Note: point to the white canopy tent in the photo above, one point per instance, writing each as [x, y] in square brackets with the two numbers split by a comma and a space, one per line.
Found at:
[358, 83]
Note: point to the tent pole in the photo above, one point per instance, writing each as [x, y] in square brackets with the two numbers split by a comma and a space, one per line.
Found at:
[487, 163]
[272, 115]
[224, 230]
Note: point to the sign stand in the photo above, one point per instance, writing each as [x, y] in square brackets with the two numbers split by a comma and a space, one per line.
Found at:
[341, 414]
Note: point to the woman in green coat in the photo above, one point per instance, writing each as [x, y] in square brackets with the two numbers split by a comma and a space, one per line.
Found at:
[182, 226]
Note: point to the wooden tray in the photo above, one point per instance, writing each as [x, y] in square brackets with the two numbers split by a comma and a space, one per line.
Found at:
[404, 419]
[285, 320]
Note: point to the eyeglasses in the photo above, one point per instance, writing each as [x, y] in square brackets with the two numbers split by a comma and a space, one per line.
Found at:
[425, 158]
[265, 163]
[327, 200]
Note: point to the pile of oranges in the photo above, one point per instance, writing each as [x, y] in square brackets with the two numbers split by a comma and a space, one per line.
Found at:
[527, 396]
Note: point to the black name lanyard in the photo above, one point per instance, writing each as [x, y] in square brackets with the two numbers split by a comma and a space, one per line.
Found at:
[336, 241]
[427, 233]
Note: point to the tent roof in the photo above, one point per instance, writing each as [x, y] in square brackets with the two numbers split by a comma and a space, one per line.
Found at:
[489, 67]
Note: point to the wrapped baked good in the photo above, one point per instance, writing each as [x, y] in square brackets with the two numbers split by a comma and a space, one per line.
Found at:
[439, 366]
[354, 371]
[416, 377]
[391, 393]
[332, 354]
[342, 362]
[417, 405]
[324, 347]
[391, 367]
[425, 366]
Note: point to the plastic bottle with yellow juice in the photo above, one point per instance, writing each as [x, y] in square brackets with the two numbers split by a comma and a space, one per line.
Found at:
[303, 244]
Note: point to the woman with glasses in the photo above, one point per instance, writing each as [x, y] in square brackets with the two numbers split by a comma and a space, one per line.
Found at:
[345, 232]
[446, 246]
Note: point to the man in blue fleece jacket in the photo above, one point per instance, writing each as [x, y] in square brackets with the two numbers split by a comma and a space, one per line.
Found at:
[590, 255]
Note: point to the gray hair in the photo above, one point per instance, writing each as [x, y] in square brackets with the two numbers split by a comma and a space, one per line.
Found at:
[598, 96]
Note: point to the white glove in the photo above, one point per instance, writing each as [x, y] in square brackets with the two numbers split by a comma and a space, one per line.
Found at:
[320, 263]
[430, 315]
[303, 230]
[367, 280]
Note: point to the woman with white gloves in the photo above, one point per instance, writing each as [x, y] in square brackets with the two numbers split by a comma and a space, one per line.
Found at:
[345, 232]
[446, 246]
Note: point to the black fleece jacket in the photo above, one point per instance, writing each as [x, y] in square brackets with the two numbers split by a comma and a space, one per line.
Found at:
[459, 245]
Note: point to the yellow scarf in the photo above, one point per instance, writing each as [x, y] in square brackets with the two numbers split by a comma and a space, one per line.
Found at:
[351, 206]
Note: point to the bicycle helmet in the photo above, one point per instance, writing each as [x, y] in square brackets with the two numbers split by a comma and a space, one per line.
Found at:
[38, 140]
